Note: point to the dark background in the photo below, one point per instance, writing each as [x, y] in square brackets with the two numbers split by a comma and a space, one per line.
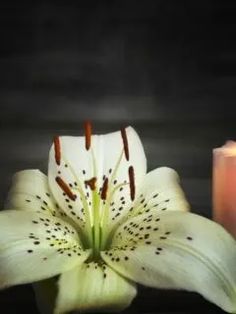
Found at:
[165, 67]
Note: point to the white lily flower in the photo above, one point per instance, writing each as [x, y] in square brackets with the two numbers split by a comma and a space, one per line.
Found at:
[104, 224]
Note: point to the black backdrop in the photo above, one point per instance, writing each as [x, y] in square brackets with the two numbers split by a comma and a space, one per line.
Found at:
[165, 67]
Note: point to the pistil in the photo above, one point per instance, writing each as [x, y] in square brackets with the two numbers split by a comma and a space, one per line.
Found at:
[96, 225]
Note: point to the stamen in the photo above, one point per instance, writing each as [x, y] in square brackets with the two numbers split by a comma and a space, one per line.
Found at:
[65, 188]
[131, 183]
[125, 143]
[91, 183]
[88, 133]
[104, 189]
[57, 149]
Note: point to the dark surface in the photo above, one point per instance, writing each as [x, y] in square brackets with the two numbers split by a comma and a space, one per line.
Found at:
[165, 67]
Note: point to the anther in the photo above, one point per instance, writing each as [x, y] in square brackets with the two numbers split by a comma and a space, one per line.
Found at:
[131, 183]
[91, 183]
[104, 189]
[65, 188]
[125, 143]
[57, 149]
[88, 133]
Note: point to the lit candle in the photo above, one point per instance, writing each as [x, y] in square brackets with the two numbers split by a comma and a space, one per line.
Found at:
[224, 186]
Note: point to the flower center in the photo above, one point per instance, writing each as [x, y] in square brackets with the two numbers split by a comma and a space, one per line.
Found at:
[96, 227]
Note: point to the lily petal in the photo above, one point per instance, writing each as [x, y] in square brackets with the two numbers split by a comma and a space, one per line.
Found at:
[160, 191]
[93, 287]
[75, 172]
[30, 191]
[36, 246]
[177, 250]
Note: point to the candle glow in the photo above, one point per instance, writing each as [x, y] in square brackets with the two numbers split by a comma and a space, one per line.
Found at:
[224, 186]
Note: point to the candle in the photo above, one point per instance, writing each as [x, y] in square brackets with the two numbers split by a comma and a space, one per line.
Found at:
[224, 186]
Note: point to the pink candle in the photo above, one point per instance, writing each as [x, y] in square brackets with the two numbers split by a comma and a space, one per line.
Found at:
[224, 186]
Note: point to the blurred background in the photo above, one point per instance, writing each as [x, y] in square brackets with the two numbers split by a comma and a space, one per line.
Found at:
[165, 67]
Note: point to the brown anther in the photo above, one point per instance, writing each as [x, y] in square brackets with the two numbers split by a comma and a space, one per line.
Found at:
[91, 183]
[125, 143]
[57, 149]
[62, 184]
[131, 183]
[104, 189]
[88, 134]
